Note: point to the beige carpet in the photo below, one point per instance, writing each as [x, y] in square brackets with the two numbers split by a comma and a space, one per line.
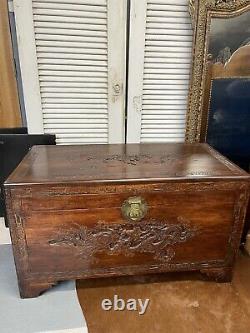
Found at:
[179, 303]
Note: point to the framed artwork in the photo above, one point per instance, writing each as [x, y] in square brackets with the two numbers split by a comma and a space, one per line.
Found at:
[221, 71]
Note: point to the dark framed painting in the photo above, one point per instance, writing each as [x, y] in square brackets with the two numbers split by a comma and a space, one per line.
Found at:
[221, 50]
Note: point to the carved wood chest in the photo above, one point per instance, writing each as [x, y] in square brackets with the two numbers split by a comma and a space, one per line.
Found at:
[106, 210]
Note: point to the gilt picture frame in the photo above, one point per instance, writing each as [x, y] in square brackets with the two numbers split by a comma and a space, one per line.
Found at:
[212, 60]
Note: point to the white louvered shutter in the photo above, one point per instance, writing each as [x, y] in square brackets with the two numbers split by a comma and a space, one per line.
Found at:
[72, 55]
[159, 68]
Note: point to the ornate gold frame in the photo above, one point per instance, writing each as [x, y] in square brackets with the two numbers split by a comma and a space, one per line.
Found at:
[201, 12]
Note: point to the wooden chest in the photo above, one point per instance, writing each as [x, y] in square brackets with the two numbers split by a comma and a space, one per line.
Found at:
[107, 210]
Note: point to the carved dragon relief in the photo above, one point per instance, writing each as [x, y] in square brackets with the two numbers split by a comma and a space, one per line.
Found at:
[129, 159]
[135, 159]
[147, 237]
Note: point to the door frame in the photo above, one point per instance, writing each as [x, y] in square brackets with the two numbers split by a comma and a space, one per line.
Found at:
[10, 114]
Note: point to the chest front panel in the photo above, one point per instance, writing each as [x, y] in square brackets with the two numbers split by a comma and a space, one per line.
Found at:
[162, 225]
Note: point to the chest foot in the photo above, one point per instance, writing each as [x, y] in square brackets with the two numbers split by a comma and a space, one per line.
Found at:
[30, 289]
[223, 274]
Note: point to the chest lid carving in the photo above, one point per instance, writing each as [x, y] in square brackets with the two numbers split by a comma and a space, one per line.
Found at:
[123, 163]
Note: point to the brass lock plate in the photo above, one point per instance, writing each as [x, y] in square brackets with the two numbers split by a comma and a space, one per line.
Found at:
[134, 209]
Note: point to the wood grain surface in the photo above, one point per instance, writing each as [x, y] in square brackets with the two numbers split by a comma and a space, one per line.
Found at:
[65, 212]
[117, 163]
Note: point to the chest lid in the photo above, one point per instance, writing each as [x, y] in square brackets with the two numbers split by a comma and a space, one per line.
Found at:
[123, 163]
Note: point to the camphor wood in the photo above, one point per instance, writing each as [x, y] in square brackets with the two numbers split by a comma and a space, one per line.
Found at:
[107, 210]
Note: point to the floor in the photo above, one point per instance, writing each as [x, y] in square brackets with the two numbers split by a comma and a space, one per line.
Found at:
[179, 303]
[56, 311]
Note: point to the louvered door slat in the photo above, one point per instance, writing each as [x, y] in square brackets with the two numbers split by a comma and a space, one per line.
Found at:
[169, 19]
[68, 19]
[73, 2]
[52, 56]
[71, 32]
[71, 13]
[59, 5]
[79, 51]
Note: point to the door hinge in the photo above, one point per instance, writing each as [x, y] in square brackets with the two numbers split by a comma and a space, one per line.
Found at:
[137, 102]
